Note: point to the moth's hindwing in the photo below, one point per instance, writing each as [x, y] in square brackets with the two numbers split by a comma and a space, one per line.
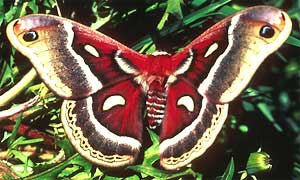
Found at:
[93, 140]
[97, 128]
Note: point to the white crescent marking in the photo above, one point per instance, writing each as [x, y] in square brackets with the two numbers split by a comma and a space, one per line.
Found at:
[92, 50]
[187, 102]
[212, 48]
[112, 101]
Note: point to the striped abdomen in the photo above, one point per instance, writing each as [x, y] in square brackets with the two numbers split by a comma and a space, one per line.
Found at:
[155, 103]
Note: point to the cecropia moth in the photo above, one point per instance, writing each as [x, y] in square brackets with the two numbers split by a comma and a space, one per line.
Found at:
[111, 91]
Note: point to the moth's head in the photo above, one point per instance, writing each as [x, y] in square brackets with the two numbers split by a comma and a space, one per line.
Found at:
[261, 26]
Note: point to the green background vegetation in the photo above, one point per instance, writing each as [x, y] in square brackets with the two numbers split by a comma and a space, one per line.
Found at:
[266, 117]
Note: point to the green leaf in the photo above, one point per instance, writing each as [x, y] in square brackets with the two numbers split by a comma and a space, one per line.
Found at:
[155, 6]
[111, 178]
[162, 22]
[160, 174]
[197, 3]
[100, 21]
[68, 171]
[151, 49]
[133, 177]
[243, 128]
[173, 8]
[82, 175]
[66, 146]
[152, 153]
[265, 109]
[227, 10]
[22, 157]
[6, 135]
[250, 92]
[22, 141]
[52, 173]
[98, 174]
[1, 11]
[33, 6]
[248, 106]
[203, 12]
[284, 99]
[293, 41]
[281, 56]
[7, 73]
[11, 14]
[15, 130]
[50, 3]
[154, 137]
[229, 172]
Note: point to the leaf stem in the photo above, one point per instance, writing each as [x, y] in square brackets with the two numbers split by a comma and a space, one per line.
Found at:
[18, 88]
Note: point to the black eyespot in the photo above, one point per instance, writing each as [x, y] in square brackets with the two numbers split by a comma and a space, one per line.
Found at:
[30, 36]
[267, 31]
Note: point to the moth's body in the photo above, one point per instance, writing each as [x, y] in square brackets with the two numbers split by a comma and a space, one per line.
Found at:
[156, 89]
[110, 90]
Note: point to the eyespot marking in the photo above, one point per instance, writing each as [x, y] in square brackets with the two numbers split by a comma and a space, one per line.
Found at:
[267, 31]
[30, 36]
[212, 48]
[92, 50]
[187, 102]
[113, 101]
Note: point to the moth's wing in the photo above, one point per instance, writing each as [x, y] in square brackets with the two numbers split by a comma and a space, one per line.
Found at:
[106, 127]
[190, 125]
[103, 116]
[73, 60]
[226, 56]
[211, 71]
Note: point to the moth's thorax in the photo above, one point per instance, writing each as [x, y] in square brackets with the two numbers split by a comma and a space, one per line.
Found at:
[160, 65]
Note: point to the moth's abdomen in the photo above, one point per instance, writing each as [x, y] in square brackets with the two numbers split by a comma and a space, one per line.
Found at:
[156, 104]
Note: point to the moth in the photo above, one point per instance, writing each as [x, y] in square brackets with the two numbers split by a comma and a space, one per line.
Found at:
[111, 91]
